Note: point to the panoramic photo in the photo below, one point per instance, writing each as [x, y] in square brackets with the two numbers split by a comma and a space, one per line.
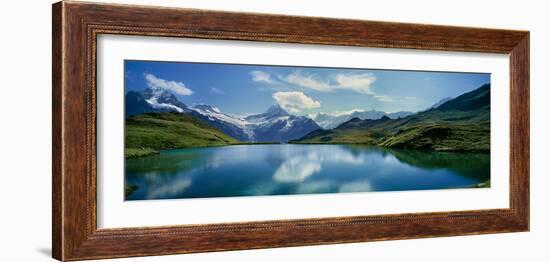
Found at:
[200, 130]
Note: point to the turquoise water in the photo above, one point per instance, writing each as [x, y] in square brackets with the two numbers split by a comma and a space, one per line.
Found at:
[253, 170]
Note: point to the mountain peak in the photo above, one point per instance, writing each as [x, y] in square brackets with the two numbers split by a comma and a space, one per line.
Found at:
[163, 99]
[156, 91]
[276, 110]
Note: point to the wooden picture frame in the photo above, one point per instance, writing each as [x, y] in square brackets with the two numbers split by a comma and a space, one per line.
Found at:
[76, 26]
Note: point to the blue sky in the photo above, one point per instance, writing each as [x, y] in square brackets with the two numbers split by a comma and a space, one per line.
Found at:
[247, 89]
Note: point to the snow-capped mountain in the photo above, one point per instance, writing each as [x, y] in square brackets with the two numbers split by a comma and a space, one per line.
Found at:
[152, 100]
[329, 121]
[276, 124]
[162, 99]
[273, 112]
[232, 126]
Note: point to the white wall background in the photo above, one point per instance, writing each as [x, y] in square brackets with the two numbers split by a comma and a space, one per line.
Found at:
[25, 147]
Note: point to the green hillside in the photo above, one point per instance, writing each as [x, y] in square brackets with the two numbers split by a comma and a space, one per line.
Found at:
[474, 100]
[145, 134]
[461, 124]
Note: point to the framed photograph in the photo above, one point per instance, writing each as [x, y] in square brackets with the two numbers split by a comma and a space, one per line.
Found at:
[181, 130]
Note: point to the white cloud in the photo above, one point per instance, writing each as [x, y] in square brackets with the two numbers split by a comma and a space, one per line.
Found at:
[261, 76]
[175, 186]
[296, 170]
[217, 91]
[307, 81]
[176, 87]
[295, 101]
[360, 83]
[384, 98]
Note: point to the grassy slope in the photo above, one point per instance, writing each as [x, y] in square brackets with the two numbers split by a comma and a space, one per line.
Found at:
[443, 131]
[460, 125]
[150, 132]
[139, 152]
[433, 130]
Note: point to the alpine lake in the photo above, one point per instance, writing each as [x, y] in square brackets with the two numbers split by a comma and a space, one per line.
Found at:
[286, 169]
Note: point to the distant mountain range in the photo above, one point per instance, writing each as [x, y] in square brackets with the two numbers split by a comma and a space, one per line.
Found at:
[274, 125]
[458, 124]
[328, 121]
[451, 119]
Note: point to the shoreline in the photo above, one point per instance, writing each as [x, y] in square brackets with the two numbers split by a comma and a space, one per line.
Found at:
[143, 152]
[149, 151]
[398, 148]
